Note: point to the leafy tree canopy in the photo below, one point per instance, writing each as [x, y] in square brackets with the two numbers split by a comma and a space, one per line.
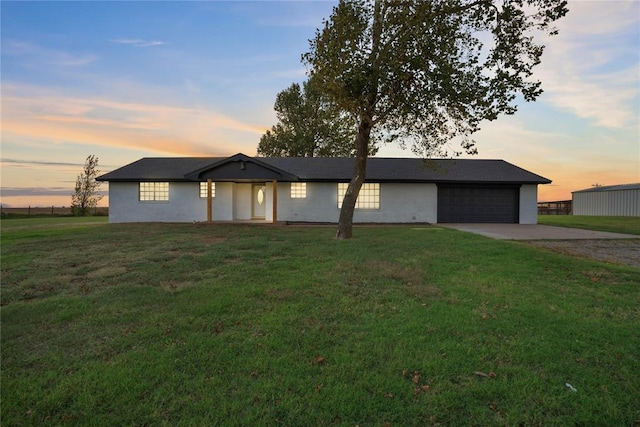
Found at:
[426, 73]
[308, 126]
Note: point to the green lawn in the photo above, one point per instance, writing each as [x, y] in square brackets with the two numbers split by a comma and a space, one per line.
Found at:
[615, 224]
[190, 324]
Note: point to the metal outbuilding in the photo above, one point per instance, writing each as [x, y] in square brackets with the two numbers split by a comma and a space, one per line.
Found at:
[610, 200]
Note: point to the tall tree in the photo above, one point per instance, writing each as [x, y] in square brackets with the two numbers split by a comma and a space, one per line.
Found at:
[427, 72]
[86, 195]
[308, 126]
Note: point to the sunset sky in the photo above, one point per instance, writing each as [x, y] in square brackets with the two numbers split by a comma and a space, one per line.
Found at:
[125, 80]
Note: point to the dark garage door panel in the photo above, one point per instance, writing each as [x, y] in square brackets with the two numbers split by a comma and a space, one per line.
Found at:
[478, 204]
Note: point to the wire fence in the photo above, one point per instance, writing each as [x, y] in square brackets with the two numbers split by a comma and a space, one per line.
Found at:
[544, 208]
[560, 207]
[7, 212]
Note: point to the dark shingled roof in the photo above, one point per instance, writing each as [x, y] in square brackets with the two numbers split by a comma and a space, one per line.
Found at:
[158, 169]
[337, 169]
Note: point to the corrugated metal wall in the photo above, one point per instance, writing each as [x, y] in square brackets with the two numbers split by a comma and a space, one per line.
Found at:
[607, 203]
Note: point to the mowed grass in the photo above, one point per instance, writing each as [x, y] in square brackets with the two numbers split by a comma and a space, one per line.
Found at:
[191, 324]
[614, 224]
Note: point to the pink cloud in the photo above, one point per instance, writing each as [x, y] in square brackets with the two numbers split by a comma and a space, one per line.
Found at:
[29, 112]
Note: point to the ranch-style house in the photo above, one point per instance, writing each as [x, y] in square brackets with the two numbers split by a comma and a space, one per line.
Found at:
[310, 190]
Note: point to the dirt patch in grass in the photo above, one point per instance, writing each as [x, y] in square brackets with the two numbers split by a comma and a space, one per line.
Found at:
[625, 252]
[175, 286]
[426, 294]
[395, 271]
[280, 294]
[410, 277]
[214, 240]
[107, 271]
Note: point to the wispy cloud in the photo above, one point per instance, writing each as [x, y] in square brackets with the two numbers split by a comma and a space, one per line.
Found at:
[31, 112]
[604, 99]
[191, 87]
[293, 73]
[571, 160]
[36, 54]
[598, 17]
[138, 42]
[593, 75]
[31, 163]
[16, 162]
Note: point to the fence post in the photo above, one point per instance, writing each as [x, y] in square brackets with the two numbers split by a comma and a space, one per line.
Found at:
[29, 211]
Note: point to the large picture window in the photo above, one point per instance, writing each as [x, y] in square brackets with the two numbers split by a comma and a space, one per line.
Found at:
[203, 190]
[298, 190]
[368, 198]
[154, 191]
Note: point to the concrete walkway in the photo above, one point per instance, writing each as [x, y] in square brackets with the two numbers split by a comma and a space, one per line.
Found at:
[535, 232]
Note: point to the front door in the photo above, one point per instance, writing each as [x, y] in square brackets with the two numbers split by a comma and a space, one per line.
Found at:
[259, 199]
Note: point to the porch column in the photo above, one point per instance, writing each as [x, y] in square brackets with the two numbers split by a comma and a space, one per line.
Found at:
[209, 201]
[275, 201]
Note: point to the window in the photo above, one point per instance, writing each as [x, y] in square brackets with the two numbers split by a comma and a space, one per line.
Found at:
[298, 190]
[154, 191]
[203, 190]
[369, 197]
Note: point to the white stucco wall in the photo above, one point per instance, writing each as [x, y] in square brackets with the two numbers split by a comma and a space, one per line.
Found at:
[400, 203]
[529, 204]
[222, 202]
[268, 215]
[241, 202]
[403, 203]
[184, 204]
[318, 206]
[231, 202]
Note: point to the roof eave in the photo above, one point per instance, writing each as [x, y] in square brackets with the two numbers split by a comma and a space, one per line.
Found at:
[239, 158]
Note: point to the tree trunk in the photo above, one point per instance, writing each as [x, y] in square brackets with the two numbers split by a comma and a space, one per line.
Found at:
[345, 223]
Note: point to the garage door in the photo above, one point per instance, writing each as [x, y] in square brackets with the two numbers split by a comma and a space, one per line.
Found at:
[478, 204]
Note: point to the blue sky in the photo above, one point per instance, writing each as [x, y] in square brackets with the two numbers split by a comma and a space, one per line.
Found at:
[125, 80]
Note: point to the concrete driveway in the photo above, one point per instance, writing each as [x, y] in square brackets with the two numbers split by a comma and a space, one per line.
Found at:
[535, 232]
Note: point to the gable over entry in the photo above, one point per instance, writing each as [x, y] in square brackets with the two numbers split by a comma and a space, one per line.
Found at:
[240, 168]
[306, 189]
[244, 169]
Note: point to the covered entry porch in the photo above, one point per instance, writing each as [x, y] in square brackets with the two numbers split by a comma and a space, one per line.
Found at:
[255, 201]
[241, 188]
